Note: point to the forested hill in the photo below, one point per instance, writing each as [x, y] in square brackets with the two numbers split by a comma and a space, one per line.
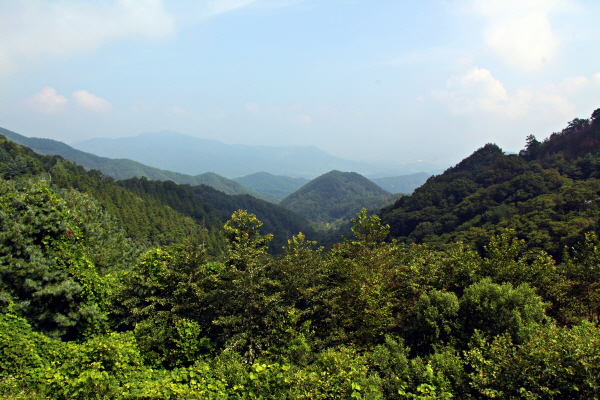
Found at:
[549, 194]
[336, 196]
[155, 212]
[122, 168]
[580, 138]
[206, 204]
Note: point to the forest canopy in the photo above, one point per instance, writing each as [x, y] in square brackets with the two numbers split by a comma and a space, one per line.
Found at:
[482, 284]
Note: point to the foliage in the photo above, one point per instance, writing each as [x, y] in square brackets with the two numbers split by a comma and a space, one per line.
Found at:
[160, 298]
[552, 362]
[503, 313]
[46, 274]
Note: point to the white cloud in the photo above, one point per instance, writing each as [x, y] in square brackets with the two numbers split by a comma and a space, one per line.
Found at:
[47, 101]
[30, 29]
[479, 91]
[91, 102]
[520, 31]
[573, 84]
[221, 6]
[596, 78]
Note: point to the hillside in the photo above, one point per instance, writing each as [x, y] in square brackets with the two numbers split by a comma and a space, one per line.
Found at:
[146, 220]
[193, 155]
[276, 186]
[402, 184]
[336, 196]
[202, 202]
[158, 212]
[550, 198]
[122, 168]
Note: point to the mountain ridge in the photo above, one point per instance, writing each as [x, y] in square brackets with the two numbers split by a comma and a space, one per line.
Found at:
[192, 155]
[122, 168]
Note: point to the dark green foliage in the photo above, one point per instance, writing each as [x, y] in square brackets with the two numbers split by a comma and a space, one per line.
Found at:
[433, 320]
[146, 219]
[489, 192]
[496, 315]
[106, 243]
[493, 309]
[46, 274]
[212, 208]
[248, 307]
[160, 298]
[581, 269]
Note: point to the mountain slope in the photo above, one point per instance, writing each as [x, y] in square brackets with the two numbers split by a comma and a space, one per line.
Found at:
[155, 212]
[276, 186]
[202, 201]
[551, 201]
[146, 220]
[124, 168]
[193, 155]
[336, 196]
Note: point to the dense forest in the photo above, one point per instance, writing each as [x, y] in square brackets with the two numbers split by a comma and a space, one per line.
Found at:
[482, 284]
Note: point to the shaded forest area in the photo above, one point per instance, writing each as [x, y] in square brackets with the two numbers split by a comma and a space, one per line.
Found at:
[482, 284]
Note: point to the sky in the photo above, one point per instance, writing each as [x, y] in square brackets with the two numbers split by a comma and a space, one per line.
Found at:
[384, 81]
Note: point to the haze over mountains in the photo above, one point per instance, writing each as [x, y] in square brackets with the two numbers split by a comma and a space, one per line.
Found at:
[261, 185]
[193, 155]
[124, 168]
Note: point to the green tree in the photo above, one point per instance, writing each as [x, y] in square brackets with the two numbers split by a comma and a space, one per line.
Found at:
[46, 275]
[163, 299]
[581, 267]
[250, 315]
[494, 309]
[551, 363]
[246, 245]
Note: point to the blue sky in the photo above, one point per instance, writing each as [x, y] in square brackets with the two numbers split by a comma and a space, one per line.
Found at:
[382, 81]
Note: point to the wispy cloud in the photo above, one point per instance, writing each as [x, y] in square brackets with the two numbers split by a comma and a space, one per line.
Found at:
[478, 91]
[91, 102]
[520, 31]
[33, 29]
[47, 101]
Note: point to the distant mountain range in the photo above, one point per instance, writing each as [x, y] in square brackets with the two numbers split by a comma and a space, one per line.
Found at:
[262, 185]
[193, 155]
[124, 168]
